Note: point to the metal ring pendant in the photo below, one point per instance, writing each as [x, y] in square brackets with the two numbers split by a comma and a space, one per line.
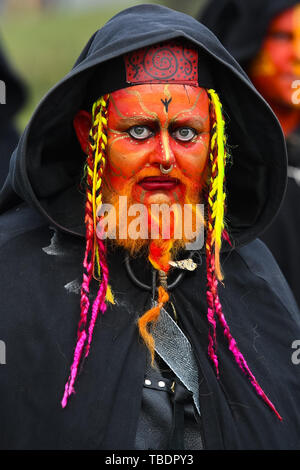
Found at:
[146, 286]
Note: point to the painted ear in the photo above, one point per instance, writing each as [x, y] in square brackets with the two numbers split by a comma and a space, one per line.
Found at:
[82, 123]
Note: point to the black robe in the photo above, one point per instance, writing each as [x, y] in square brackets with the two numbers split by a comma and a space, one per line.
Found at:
[14, 100]
[41, 252]
[282, 237]
[241, 27]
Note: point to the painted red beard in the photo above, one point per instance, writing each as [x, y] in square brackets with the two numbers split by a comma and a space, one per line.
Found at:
[139, 189]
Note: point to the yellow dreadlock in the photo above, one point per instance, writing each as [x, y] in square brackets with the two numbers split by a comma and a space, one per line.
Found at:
[217, 194]
[98, 143]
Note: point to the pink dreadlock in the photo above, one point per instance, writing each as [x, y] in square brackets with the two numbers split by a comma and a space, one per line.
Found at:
[214, 232]
[95, 248]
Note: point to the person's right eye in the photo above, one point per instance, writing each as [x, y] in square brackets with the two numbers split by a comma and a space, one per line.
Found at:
[140, 132]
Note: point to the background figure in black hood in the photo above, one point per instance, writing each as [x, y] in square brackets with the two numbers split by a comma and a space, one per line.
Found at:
[12, 99]
[48, 240]
[264, 36]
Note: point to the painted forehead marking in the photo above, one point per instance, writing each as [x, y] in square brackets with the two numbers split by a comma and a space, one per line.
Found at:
[167, 100]
[151, 115]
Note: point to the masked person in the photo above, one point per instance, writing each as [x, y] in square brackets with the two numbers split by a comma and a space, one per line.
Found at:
[175, 348]
[264, 37]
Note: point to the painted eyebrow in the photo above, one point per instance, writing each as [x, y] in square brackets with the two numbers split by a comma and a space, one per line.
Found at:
[136, 119]
[188, 121]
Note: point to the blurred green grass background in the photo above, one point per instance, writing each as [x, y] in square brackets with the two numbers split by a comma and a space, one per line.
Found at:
[43, 47]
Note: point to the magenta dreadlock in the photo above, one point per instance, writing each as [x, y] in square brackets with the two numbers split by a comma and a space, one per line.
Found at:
[214, 233]
[95, 253]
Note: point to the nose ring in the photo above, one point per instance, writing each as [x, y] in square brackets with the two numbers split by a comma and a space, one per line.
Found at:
[165, 171]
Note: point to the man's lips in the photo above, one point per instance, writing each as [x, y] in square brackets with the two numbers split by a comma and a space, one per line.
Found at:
[155, 183]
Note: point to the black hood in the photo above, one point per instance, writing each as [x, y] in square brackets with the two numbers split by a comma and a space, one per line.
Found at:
[241, 25]
[15, 97]
[47, 166]
[15, 90]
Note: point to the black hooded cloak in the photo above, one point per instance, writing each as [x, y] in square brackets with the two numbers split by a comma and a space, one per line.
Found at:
[42, 247]
[241, 26]
[15, 92]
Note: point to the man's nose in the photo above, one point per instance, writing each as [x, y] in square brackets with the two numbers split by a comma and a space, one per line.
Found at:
[163, 153]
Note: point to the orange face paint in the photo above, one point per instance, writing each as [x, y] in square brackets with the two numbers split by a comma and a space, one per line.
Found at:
[153, 125]
[278, 63]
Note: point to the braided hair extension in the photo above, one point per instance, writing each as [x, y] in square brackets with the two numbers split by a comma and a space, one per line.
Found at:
[159, 257]
[95, 250]
[214, 232]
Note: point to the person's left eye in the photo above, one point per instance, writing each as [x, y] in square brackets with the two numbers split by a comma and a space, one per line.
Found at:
[140, 132]
[184, 134]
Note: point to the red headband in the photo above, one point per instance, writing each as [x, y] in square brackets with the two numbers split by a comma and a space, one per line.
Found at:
[171, 62]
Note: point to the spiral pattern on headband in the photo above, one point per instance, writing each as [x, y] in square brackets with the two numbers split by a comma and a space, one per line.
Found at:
[161, 63]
